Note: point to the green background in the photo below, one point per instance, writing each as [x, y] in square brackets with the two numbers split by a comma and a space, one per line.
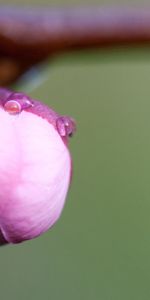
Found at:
[100, 247]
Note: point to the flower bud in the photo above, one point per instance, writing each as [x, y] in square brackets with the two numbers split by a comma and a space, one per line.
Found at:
[35, 166]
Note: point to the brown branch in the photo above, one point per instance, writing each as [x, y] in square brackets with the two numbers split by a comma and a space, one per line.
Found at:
[28, 36]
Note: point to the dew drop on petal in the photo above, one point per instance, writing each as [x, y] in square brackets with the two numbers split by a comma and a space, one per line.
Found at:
[12, 107]
[65, 126]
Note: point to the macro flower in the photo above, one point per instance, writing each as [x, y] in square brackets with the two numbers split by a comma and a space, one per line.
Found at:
[35, 166]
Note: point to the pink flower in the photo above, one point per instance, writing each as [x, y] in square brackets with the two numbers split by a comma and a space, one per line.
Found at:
[35, 166]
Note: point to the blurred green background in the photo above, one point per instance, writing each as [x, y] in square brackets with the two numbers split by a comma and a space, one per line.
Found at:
[100, 248]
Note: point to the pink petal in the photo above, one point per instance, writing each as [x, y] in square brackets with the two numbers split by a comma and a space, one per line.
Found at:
[35, 168]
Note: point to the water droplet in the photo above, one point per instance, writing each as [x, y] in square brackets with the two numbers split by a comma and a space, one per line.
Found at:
[12, 107]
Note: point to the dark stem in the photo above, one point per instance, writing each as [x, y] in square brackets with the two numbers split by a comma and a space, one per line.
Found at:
[28, 36]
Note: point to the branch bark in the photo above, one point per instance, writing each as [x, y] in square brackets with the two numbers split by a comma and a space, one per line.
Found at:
[29, 36]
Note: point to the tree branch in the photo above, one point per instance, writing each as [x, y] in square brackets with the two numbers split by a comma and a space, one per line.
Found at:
[29, 36]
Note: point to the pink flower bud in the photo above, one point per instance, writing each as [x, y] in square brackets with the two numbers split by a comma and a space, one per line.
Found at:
[35, 166]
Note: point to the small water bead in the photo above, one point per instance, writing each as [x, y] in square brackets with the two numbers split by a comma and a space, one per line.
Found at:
[65, 126]
[12, 107]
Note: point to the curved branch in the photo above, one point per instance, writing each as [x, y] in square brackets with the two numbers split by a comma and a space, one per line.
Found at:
[28, 36]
